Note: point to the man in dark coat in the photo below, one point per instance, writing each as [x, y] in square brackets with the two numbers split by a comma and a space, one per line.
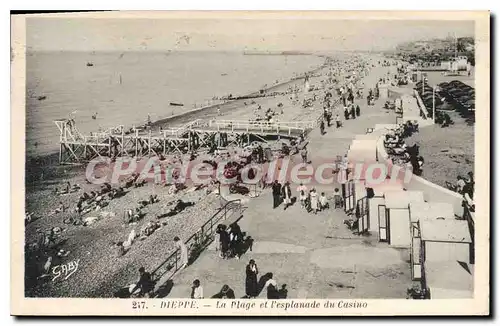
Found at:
[328, 118]
[358, 110]
[276, 193]
[145, 283]
[224, 241]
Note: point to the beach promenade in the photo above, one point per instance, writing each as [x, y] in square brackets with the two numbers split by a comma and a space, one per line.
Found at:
[316, 256]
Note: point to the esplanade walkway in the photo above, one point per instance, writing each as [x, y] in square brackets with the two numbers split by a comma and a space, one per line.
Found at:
[316, 256]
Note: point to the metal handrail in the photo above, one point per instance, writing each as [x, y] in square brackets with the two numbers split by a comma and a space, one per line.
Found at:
[256, 125]
[198, 241]
[245, 123]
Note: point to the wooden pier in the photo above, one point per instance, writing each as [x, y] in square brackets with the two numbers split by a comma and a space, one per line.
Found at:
[197, 135]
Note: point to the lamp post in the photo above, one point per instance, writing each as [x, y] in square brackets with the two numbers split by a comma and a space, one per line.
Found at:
[423, 82]
[434, 104]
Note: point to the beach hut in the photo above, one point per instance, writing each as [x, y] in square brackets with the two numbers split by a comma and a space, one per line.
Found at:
[363, 150]
[376, 203]
[394, 219]
[431, 211]
[446, 254]
[445, 240]
[420, 211]
[449, 280]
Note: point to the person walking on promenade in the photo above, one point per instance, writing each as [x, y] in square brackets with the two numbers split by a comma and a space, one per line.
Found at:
[337, 121]
[286, 193]
[353, 112]
[302, 190]
[183, 261]
[303, 153]
[196, 290]
[337, 198]
[224, 241]
[314, 200]
[350, 97]
[145, 284]
[358, 110]
[323, 202]
[235, 240]
[276, 193]
[322, 127]
[327, 114]
[251, 287]
[346, 113]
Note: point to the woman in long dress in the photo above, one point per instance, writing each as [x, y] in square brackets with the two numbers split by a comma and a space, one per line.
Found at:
[224, 241]
[302, 195]
[251, 287]
[287, 195]
[314, 200]
[183, 252]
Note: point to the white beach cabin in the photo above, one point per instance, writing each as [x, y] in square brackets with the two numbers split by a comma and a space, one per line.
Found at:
[397, 216]
[427, 211]
[449, 280]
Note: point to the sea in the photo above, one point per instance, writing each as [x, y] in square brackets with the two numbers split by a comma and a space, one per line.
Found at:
[103, 90]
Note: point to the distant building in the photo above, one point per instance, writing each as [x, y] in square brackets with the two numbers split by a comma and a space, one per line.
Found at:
[459, 63]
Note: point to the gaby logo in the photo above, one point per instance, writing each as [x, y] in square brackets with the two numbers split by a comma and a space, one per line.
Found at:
[319, 171]
[65, 270]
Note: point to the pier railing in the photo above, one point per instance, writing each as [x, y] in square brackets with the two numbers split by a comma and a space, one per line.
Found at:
[287, 128]
[198, 241]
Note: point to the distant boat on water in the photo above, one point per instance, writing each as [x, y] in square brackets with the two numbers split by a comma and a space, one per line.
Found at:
[90, 64]
[176, 104]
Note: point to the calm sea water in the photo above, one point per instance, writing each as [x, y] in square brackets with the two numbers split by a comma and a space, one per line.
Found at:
[123, 88]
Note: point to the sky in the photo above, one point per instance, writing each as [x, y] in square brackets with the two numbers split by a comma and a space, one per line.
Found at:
[259, 34]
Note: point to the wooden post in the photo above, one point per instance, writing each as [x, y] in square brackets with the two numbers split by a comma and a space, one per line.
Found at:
[149, 144]
[123, 142]
[109, 146]
[60, 152]
[136, 141]
[85, 147]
